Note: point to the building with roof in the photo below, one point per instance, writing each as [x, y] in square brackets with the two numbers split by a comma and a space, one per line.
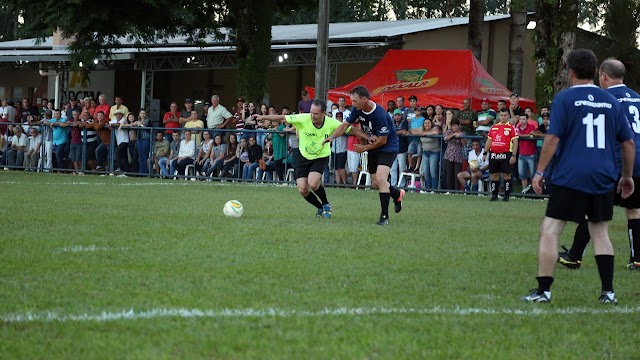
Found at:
[175, 70]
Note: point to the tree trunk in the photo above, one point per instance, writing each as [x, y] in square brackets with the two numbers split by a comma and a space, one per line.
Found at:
[517, 30]
[565, 33]
[253, 39]
[476, 22]
[545, 54]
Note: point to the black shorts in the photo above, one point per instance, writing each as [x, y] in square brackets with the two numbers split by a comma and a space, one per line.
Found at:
[499, 163]
[91, 150]
[339, 160]
[633, 201]
[306, 166]
[376, 158]
[572, 205]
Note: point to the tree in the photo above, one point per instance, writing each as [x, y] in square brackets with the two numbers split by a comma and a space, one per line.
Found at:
[8, 21]
[517, 32]
[477, 9]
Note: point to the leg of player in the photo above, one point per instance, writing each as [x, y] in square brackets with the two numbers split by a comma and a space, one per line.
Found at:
[303, 188]
[572, 258]
[604, 259]
[547, 254]
[495, 186]
[386, 193]
[507, 186]
[315, 183]
[633, 224]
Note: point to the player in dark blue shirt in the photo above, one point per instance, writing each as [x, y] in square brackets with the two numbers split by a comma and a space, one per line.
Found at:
[586, 122]
[382, 146]
[611, 78]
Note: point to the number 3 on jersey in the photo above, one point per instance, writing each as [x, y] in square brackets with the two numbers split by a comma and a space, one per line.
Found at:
[598, 123]
[636, 119]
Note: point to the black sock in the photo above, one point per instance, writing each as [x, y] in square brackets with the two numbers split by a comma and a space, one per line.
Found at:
[495, 186]
[322, 195]
[313, 200]
[580, 240]
[544, 283]
[605, 268]
[634, 238]
[507, 188]
[395, 193]
[384, 204]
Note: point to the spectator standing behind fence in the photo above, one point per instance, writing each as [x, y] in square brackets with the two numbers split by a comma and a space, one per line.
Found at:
[102, 106]
[261, 126]
[143, 142]
[280, 150]
[186, 154]
[86, 106]
[503, 144]
[430, 154]
[118, 106]
[453, 155]
[231, 156]
[76, 143]
[47, 138]
[91, 142]
[527, 145]
[161, 148]
[439, 117]
[195, 123]
[32, 155]
[400, 164]
[255, 154]
[486, 118]
[122, 141]
[185, 114]
[101, 124]
[133, 165]
[171, 120]
[467, 118]
[413, 152]
[304, 105]
[19, 146]
[218, 116]
[59, 137]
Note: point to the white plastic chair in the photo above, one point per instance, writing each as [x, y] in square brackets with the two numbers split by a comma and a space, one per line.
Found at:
[364, 162]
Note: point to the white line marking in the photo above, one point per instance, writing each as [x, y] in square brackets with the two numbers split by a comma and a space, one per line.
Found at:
[90, 248]
[132, 314]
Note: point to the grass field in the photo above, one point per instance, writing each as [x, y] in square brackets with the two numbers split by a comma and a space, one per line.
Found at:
[100, 267]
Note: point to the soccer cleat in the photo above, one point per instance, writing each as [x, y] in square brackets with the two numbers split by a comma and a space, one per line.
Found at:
[565, 259]
[383, 221]
[505, 199]
[526, 189]
[494, 198]
[608, 297]
[544, 297]
[326, 211]
[633, 265]
[319, 213]
[398, 203]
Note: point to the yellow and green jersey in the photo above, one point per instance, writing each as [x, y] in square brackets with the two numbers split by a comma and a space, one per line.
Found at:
[311, 137]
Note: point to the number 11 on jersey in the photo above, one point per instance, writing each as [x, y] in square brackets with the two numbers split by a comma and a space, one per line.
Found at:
[598, 123]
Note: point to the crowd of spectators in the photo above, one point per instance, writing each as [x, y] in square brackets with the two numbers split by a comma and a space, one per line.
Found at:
[443, 147]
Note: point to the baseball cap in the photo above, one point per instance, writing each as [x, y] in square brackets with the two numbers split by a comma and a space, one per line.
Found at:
[48, 112]
[118, 111]
[515, 94]
[188, 100]
[207, 103]
[485, 100]
[413, 97]
[397, 112]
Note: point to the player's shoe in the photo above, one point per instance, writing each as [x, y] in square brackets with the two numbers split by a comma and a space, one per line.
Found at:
[383, 221]
[545, 297]
[319, 214]
[326, 211]
[633, 265]
[398, 203]
[526, 189]
[565, 259]
[494, 198]
[608, 297]
[505, 199]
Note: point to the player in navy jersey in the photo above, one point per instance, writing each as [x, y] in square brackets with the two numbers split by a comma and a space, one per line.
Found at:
[586, 123]
[382, 146]
[611, 78]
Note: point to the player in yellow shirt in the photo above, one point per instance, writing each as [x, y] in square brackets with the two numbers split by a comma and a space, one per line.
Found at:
[312, 128]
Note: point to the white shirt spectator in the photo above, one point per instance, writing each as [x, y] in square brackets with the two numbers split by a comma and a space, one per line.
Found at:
[478, 158]
[187, 149]
[23, 140]
[34, 142]
[217, 116]
[122, 135]
[345, 113]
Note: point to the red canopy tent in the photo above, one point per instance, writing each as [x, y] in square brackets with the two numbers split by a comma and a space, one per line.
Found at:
[443, 77]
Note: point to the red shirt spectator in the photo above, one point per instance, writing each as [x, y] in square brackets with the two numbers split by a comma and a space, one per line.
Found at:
[527, 143]
[172, 118]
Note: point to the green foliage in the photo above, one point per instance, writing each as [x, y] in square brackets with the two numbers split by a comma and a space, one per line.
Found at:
[86, 245]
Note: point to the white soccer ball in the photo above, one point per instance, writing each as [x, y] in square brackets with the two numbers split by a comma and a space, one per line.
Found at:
[233, 209]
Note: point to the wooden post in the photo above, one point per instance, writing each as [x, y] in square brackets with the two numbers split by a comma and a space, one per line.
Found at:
[322, 54]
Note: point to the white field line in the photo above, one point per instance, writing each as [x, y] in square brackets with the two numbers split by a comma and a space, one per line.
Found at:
[535, 310]
[91, 248]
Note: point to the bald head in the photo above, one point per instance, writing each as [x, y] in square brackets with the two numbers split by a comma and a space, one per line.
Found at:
[613, 68]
